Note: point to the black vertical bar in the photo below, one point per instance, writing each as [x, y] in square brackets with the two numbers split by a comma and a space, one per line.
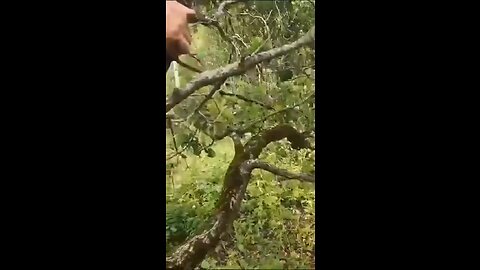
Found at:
[168, 61]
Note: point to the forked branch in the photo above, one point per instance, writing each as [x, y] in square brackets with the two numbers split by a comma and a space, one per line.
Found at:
[193, 252]
[240, 67]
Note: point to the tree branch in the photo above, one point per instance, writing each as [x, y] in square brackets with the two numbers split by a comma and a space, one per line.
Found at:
[193, 252]
[223, 93]
[204, 20]
[236, 180]
[251, 125]
[221, 8]
[235, 69]
[277, 112]
[256, 144]
[215, 88]
[216, 24]
[184, 148]
[250, 165]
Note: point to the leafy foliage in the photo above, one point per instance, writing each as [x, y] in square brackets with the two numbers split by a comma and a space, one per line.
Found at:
[276, 225]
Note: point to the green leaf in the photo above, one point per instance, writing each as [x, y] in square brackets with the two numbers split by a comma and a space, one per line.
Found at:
[205, 264]
[211, 152]
[254, 191]
[270, 200]
[241, 247]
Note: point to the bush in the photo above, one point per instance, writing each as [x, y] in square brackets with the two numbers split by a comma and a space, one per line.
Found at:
[276, 227]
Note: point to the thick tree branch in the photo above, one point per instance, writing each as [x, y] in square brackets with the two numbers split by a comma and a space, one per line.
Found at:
[194, 251]
[236, 179]
[235, 69]
[250, 165]
[256, 144]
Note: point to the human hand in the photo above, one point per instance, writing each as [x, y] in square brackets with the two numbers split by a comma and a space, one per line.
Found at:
[178, 35]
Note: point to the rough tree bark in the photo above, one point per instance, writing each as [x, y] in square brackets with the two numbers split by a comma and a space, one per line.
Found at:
[193, 252]
[211, 76]
[190, 254]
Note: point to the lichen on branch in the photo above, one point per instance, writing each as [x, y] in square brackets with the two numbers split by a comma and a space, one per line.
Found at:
[193, 252]
[240, 67]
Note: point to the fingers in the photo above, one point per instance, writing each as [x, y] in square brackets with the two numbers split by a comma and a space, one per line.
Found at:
[180, 42]
[178, 47]
[170, 44]
[178, 33]
[191, 16]
[187, 35]
[183, 47]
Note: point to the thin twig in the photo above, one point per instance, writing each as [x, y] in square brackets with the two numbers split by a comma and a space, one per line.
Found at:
[261, 120]
[223, 93]
[212, 76]
[184, 148]
[221, 8]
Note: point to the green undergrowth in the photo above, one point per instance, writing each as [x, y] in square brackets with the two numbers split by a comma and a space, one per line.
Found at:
[276, 227]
